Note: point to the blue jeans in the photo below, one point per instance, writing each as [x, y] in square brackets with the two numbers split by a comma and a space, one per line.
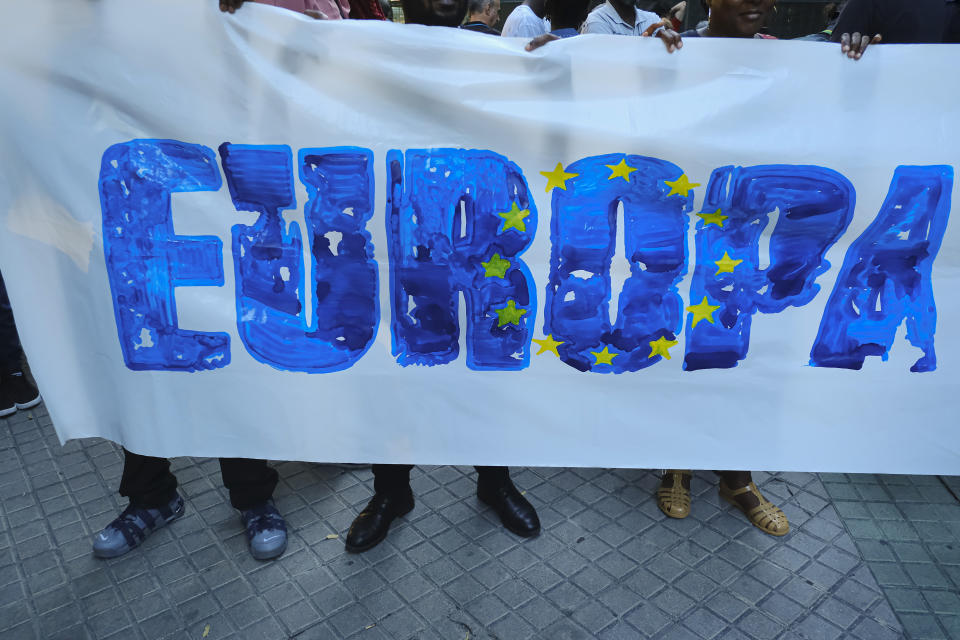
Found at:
[10, 351]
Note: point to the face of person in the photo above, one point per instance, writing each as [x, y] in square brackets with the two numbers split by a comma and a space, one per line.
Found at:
[446, 13]
[738, 18]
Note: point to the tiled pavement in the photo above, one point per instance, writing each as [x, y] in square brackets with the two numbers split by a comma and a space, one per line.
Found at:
[869, 557]
[907, 529]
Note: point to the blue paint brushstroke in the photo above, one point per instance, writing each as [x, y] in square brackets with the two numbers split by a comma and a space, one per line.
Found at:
[816, 205]
[434, 256]
[886, 276]
[583, 236]
[268, 257]
[145, 259]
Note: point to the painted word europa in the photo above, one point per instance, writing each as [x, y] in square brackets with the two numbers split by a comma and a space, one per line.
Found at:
[458, 222]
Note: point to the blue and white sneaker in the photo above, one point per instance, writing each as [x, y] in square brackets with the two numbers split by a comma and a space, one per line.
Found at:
[266, 531]
[133, 526]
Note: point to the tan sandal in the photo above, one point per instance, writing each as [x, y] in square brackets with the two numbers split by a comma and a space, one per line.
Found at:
[766, 516]
[674, 501]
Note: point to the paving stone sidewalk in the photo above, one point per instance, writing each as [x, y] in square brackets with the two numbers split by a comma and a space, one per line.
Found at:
[870, 557]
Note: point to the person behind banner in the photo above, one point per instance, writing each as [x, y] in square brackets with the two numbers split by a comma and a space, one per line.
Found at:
[732, 19]
[898, 21]
[735, 486]
[677, 13]
[393, 496]
[567, 16]
[155, 502]
[320, 9]
[527, 20]
[434, 13]
[620, 17]
[17, 391]
[951, 33]
[745, 19]
[386, 9]
[831, 14]
[481, 16]
[570, 13]
[370, 10]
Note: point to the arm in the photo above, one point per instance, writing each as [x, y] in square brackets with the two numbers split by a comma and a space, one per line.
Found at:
[523, 27]
[541, 40]
[671, 39]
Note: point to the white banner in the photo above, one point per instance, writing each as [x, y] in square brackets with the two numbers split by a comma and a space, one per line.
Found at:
[262, 235]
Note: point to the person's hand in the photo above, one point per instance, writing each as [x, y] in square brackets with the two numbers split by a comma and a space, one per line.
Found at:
[671, 39]
[229, 6]
[541, 40]
[854, 46]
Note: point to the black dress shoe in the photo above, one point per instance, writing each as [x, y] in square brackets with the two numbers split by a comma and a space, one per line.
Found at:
[371, 526]
[515, 512]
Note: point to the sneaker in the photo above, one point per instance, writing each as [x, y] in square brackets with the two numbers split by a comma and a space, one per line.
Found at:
[266, 531]
[133, 526]
[20, 391]
[8, 406]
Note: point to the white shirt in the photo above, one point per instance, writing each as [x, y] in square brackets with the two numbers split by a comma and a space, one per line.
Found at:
[524, 23]
[605, 19]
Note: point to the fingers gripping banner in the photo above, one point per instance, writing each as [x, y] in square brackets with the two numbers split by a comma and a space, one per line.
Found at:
[266, 236]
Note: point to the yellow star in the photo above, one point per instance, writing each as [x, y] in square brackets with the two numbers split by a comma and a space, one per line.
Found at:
[509, 314]
[622, 170]
[496, 268]
[660, 346]
[604, 357]
[716, 218]
[680, 186]
[702, 311]
[558, 177]
[726, 264]
[513, 219]
[548, 344]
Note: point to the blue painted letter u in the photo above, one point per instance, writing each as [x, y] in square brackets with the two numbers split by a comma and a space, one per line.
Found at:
[268, 257]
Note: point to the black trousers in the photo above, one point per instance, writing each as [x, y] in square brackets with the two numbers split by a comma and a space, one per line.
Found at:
[952, 32]
[10, 351]
[148, 483]
[388, 478]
